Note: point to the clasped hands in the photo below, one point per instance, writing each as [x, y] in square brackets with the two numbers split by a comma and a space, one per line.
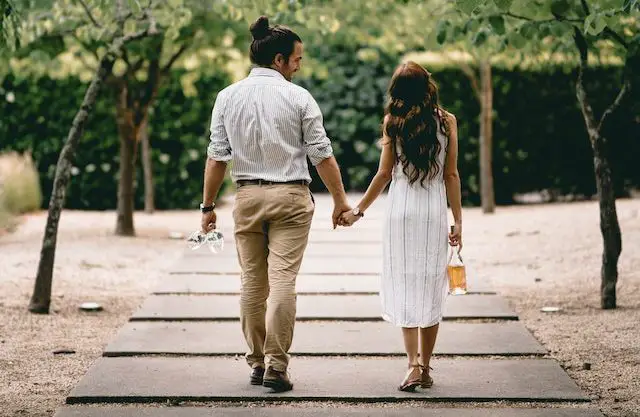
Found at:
[343, 215]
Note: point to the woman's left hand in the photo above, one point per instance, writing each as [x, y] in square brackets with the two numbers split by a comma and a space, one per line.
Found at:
[348, 219]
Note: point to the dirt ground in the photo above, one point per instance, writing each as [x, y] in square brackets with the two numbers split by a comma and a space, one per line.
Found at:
[538, 255]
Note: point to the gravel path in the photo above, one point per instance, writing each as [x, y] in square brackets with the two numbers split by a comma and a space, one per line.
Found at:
[536, 255]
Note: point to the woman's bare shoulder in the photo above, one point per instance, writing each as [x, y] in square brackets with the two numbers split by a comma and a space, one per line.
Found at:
[448, 116]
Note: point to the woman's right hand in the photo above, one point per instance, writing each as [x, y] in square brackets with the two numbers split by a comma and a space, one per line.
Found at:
[455, 236]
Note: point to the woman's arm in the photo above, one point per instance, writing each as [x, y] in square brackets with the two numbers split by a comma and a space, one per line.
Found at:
[379, 182]
[452, 181]
[382, 177]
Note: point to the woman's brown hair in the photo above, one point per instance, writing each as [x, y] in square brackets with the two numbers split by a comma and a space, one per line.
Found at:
[413, 117]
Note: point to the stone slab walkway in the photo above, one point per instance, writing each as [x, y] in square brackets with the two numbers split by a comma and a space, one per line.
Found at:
[314, 250]
[305, 284]
[312, 307]
[184, 343]
[141, 379]
[321, 339]
[131, 411]
[319, 266]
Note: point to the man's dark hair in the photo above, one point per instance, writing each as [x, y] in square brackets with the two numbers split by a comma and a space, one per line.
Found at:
[269, 41]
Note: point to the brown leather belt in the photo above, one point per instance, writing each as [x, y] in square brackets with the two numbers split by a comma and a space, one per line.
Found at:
[240, 183]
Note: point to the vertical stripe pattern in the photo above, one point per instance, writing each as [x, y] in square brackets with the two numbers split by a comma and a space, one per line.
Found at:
[414, 279]
[267, 126]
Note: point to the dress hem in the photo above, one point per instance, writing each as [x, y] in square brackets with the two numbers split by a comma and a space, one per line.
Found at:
[389, 319]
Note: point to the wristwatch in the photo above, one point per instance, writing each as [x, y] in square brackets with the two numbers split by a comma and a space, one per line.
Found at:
[206, 209]
[356, 212]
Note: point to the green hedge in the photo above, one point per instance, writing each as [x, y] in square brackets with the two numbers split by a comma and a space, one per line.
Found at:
[39, 116]
[540, 140]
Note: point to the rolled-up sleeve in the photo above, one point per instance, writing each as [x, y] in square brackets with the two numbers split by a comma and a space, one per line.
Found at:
[316, 143]
[219, 148]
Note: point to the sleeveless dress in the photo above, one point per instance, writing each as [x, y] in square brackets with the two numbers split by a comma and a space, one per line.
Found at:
[414, 283]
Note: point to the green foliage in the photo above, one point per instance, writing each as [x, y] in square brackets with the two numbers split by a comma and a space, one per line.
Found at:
[551, 22]
[178, 134]
[351, 97]
[539, 143]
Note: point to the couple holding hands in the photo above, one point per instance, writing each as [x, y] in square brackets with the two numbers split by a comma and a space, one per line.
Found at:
[268, 127]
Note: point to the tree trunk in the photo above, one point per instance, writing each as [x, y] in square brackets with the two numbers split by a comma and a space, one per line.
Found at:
[41, 297]
[147, 166]
[487, 193]
[609, 226]
[128, 141]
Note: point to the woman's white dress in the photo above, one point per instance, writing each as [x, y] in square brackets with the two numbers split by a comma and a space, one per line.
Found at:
[414, 274]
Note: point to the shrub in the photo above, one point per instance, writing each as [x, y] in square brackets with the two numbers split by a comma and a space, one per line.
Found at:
[19, 184]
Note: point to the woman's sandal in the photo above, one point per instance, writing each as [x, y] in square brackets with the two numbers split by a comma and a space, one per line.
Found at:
[409, 384]
[425, 380]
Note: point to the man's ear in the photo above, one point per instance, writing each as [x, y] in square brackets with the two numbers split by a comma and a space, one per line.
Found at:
[279, 60]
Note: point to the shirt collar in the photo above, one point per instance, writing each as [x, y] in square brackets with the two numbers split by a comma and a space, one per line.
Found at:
[265, 72]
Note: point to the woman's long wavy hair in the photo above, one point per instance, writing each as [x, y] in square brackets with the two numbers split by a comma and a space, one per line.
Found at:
[413, 117]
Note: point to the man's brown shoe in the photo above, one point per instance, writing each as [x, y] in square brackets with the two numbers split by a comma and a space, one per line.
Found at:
[257, 375]
[277, 381]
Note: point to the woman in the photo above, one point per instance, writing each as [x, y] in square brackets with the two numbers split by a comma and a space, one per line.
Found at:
[419, 158]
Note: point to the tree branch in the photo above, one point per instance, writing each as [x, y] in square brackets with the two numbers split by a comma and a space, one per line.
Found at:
[88, 12]
[174, 58]
[585, 7]
[626, 87]
[616, 37]
[473, 78]
[150, 91]
[556, 18]
[85, 46]
[86, 64]
[581, 93]
[138, 35]
[138, 64]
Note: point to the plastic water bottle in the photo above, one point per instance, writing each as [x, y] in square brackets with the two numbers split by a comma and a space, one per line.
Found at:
[213, 239]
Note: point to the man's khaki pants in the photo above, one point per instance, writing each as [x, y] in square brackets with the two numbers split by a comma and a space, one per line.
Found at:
[272, 225]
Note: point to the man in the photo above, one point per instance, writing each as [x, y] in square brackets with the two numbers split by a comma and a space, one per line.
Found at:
[268, 126]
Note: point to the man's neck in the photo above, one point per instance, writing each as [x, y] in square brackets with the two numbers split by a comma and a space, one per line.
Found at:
[273, 67]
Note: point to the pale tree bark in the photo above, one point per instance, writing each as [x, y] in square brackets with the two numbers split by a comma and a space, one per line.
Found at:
[482, 84]
[147, 167]
[609, 226]
[41, 298]
[486, 138]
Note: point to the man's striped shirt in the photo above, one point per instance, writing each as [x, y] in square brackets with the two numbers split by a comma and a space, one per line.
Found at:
[267, 126]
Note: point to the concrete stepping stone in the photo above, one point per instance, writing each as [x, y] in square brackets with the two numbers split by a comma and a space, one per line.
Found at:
[230, 284]
[145, 379]
[313, 307]
[322, 266]
[338, 236]
[330, 265]
[314, 250]
[132, 411]
[321, 339]
[306, 284]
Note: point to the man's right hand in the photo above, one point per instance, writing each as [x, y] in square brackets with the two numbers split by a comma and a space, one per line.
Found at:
[208, 222]
[338, 210]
